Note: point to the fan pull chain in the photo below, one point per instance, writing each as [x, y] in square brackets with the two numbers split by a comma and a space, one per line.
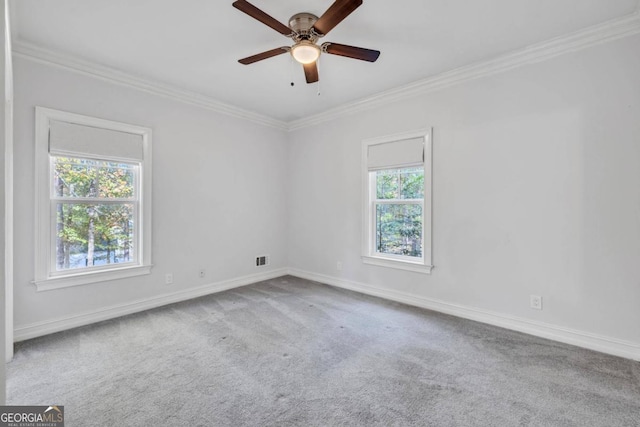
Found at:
[318, 66]
[291, 71]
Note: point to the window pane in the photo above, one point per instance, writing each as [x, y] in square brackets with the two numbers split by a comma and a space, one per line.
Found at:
[90, 235]
[116, 180]
[399, 229]
[407, 183]
[75, 177]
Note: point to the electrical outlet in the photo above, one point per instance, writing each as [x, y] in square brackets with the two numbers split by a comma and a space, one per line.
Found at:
[202, 273]
[536, 302]
[168, 278]
[339, 266]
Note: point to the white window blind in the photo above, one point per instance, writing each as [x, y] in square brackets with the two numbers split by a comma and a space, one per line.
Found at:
[396, 154]
[69, 139]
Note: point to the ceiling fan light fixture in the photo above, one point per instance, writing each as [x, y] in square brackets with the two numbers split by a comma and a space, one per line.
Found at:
[305, 52]
[305, 29]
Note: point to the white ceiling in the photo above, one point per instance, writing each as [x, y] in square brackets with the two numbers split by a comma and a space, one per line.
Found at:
[194, 45]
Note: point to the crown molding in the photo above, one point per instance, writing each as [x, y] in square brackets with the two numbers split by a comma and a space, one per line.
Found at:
[39, 54]
[608, 31]
[602, 33]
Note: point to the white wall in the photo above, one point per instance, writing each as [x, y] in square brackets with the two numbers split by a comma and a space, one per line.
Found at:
[3, 77]
[536, 191]
[218, 198]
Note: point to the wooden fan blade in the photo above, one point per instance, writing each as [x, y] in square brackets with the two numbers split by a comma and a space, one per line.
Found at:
[339, 10]
[254, 12]
[264, 55]
[351, 51]
[311, 72]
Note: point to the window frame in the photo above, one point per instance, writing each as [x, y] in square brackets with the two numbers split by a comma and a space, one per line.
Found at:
[46, 276]
[370, 201]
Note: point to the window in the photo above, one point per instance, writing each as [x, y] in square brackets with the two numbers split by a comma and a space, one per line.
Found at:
[93, 181]
[397, 202]
[398, 211]
[95, 204]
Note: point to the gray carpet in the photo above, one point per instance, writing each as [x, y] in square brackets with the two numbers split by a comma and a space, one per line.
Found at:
[293, 352]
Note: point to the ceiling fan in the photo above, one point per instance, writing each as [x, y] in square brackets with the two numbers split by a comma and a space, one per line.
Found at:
[305, 29]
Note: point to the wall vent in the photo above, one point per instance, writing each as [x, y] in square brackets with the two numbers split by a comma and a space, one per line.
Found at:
[262, 260]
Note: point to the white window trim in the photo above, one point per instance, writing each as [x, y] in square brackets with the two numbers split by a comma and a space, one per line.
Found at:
[45, 279]
[369, 256]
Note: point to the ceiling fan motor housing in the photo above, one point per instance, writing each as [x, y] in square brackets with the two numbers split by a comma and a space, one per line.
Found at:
[301, 24]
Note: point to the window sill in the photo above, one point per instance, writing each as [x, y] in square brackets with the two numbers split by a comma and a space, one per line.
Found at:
[398, 264]
[86, 278]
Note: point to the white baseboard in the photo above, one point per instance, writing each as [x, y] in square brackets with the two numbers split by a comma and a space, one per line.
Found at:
[588, 340]
[37, 329]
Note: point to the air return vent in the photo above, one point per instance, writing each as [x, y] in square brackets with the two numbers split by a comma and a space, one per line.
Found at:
[262, 260]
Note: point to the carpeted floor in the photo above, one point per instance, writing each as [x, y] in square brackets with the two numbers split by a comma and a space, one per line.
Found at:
[292, 352]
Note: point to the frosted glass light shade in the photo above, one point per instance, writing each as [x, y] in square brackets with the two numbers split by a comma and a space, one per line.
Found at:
[305, 52]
